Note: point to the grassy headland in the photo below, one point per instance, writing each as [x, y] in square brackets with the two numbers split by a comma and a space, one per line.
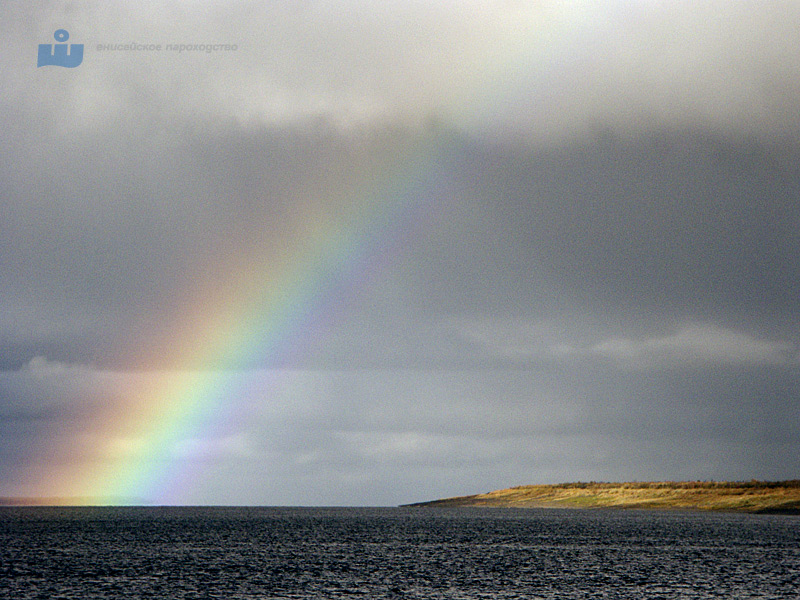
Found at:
[746, 496]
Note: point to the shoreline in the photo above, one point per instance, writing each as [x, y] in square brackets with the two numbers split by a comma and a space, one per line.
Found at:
[758, 497]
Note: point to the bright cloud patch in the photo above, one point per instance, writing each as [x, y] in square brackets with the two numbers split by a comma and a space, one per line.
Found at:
[691, 344]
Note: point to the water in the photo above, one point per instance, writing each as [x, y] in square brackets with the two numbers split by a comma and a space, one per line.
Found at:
[249, 553]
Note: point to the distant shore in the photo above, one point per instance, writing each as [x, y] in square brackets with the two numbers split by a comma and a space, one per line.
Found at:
[738, 496]
[69, 501]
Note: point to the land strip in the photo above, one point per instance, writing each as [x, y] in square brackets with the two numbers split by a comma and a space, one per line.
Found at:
[748, 496]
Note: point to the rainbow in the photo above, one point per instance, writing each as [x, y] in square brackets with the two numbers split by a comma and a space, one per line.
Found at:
[253, 318]
[270, 303]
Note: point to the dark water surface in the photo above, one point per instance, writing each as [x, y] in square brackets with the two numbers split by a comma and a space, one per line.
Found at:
[246, 553]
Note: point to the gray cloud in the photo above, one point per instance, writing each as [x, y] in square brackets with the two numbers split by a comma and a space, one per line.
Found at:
[635, 68]
[545, 70]
[416, 434]
[593, 276]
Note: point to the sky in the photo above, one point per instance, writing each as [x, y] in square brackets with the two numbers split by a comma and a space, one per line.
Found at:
[355, 253]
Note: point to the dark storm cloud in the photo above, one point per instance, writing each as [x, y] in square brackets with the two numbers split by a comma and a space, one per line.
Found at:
[685, 222]
[678, 228]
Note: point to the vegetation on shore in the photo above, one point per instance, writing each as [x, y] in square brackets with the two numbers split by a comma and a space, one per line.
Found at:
[741, 496]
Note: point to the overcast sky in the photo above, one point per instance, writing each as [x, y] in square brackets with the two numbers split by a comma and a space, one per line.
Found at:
[550, 241]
